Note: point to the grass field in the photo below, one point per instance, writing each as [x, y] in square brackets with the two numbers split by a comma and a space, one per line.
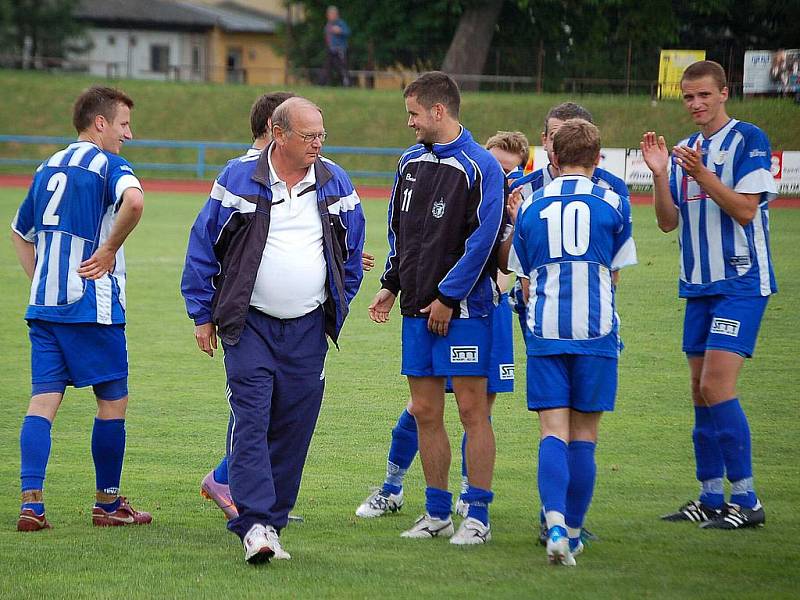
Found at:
[176, 429]
[40, 104]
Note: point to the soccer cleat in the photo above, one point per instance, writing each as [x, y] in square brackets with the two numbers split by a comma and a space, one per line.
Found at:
[275, 543]
[734, 516]
[472, 531]
[694, 511]
[576, 546]
[220, 493]
[124, 515]
[426, 527]
[379, 503]
[558, 547]
[462, 508]
[30, 521]
[257, 546]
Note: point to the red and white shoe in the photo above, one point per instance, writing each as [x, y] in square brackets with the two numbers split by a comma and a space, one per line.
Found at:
[30, 521]
[124, 515]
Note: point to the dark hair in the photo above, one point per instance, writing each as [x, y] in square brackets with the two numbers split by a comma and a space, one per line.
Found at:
[577, 143]
[262, 110]
[703, 68]
[97, 100]
[566, 111]
[435, 87]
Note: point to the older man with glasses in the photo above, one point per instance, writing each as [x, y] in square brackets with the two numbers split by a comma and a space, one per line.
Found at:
[274, 260]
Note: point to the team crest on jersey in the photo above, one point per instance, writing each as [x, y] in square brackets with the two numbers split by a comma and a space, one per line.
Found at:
[463, 354]
[725, 327]
[507, 372]
[438, 208]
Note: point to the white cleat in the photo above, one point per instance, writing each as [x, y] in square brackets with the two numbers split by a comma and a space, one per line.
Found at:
[578, 549]
[427, 527]
[275, 544]
[558, 548]
[380, 503]
[462, 508]
[257, 548]
[471, 532]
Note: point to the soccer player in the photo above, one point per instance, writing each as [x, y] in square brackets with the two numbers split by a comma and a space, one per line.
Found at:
[83, 203]
[215, 484]
[511, 151]
[715, 190]
[445, 214]
[568, 240]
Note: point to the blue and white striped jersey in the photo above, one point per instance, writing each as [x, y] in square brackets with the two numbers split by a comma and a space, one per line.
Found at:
[569, 237]
[68, 213]
[717, 254]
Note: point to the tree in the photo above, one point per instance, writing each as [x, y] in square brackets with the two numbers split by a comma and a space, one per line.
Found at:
[471, 41]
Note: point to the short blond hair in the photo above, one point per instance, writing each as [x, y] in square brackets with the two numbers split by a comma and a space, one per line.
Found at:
[577, 144]
[513, 142]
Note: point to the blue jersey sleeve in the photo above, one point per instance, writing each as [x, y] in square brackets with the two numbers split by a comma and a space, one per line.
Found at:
[752, 165]
[120, 177]
[391, 275]
[24, 222]
[624, 253]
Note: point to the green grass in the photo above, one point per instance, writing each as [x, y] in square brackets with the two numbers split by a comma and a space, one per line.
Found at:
[176, 429]
[35, 103]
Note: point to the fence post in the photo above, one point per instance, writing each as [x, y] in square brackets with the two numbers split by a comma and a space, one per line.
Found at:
[200, 172]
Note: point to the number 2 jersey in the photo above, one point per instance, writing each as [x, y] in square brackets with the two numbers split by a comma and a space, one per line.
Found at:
[570, 236]
[718, 255]
[68, 213]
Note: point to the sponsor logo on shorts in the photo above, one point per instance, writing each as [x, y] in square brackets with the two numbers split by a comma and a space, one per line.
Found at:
[725, 327]
[463, 354]
[739, 261]
[507, 372]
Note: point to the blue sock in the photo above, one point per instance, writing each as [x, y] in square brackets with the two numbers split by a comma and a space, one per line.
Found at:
[108, 451]
[221, 472]
[438, 502]
[464, 456]
[734, 440]
[582, 471]
[478, 500]
[553, 474]
[708, 457]
[401, 452]
[34, 446]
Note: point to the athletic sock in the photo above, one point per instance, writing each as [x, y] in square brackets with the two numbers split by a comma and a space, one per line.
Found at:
[438, 503]
[734, 440]
[464, 457]
[108, 451]
[553, 475]
[582, 471]
[402, 451]
[478, 500]
[34, 445]
[708, 457]
[221, 471]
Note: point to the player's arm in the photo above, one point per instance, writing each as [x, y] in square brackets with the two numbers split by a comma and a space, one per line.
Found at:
[656, 157]
[390, 280]
[128, 216]
[740, 207]
[506, 239]
[26, 253]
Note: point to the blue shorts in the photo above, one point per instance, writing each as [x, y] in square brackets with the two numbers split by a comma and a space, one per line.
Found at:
[501, 356]
[78, 354]
[464, 351]
[577, 381]
[728, 323]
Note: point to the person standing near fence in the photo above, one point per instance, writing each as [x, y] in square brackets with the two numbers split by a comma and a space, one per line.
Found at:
[715, 189]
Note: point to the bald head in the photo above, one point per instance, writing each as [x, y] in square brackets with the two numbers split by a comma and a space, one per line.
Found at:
[290, 111]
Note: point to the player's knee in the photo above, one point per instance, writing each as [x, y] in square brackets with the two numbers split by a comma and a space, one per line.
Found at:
[473, 414]
[424, 413]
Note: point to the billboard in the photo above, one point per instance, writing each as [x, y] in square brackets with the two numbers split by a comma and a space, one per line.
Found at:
[670, 68]
[771, 71]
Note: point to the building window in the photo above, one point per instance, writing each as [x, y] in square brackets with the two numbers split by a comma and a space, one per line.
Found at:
[159, 59]
[195, 59]
[112, 40]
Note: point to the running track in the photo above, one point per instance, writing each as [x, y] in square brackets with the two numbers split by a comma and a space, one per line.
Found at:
[198, 186]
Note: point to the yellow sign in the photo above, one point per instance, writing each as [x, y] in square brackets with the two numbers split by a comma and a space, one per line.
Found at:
[671, 67]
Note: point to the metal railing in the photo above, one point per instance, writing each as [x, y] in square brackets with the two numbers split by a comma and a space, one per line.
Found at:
[200, 166]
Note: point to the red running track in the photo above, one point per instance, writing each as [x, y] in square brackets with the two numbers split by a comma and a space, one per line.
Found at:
[196, 186]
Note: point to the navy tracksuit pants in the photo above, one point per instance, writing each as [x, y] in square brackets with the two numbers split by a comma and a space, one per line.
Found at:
[275, 383]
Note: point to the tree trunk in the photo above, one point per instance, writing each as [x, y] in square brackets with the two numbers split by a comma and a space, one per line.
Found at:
[470, 45]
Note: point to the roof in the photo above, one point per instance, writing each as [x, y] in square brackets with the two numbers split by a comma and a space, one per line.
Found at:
[167, 15]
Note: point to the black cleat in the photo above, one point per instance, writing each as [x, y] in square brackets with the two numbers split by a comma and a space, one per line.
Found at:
[694, 511]
[737, 517]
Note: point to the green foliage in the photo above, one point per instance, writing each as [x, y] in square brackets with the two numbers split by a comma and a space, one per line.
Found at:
[42, 28]
[176, 429]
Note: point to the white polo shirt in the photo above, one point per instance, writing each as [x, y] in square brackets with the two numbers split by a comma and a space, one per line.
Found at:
[291, 277]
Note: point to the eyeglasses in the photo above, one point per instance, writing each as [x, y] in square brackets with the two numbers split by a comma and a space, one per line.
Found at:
[310, 137]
